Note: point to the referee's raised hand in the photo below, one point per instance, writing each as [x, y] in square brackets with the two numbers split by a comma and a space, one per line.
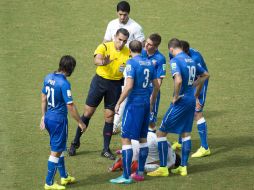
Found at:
[107, 60]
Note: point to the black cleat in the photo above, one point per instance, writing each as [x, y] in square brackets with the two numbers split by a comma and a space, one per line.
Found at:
[72, 149]
[108, 154]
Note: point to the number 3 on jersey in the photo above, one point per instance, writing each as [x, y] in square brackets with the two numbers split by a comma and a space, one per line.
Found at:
[50, 96]
[192, 74]
[146, 82]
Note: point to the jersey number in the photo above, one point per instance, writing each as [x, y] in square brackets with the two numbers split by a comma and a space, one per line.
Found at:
[50, 95]
[146, 73]
[192, 74]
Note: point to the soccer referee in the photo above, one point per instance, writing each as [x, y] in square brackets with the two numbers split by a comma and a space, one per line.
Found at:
[110, 59]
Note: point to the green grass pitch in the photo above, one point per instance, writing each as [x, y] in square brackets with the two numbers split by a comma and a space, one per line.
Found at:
[35, 34]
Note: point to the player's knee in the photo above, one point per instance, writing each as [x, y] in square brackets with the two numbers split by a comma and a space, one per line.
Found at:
[55, 154]
[109, 116]
[198, 115]
[161, 134]
[89, 111]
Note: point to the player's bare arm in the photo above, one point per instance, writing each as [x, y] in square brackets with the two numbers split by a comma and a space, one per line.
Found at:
[74, 113]
[156, 88]
[177, 87]
[200, 82]
[43, 110]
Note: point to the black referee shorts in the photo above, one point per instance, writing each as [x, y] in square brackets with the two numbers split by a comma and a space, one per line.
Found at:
[101, 88]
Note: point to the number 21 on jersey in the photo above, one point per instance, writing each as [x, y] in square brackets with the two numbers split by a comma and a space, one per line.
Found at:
[50, 96]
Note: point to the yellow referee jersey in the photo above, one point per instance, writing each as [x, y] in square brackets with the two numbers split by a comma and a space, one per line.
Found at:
[114, 70]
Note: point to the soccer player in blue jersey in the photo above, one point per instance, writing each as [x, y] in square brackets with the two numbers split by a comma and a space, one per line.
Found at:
[56, 100]
[151, 52]
[179, 117]
[200, 103]
[140, 72]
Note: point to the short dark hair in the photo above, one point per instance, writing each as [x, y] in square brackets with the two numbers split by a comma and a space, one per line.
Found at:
[185, 46]
[135, 46]
[67, 65]
[123, 31]
[155, 38]
[123, 6]
[174, 43]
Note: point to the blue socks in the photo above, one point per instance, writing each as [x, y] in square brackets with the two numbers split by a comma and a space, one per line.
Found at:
[127, 154]
[163, 150]
[202, 130]
[186, 149]
[52, 167]
[143, 153]
[61, 167]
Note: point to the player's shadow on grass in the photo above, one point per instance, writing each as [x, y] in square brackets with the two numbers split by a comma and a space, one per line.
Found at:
[213, 113]
[226, 148]
[228, 162]
[221, 145]
[101, 178]
[93, 179]
[81, 152]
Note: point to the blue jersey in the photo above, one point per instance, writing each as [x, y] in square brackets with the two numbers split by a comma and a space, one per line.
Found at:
[197, 57]
[188, 69]
[159, 62]
[58, 91]
[143, 72]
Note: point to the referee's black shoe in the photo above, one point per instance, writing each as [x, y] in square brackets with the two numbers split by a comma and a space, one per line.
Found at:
[72, 149]
[108, 154]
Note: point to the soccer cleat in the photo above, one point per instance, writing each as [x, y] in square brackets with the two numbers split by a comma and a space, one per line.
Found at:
[137, 177]
[69, 179]
[201, 152]
[176, 145]
[72, 149]
[116, 165]
[181, 170]
[118, 152]
[54, 186]
[161, 171]
[108, 154]
[121, 180]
